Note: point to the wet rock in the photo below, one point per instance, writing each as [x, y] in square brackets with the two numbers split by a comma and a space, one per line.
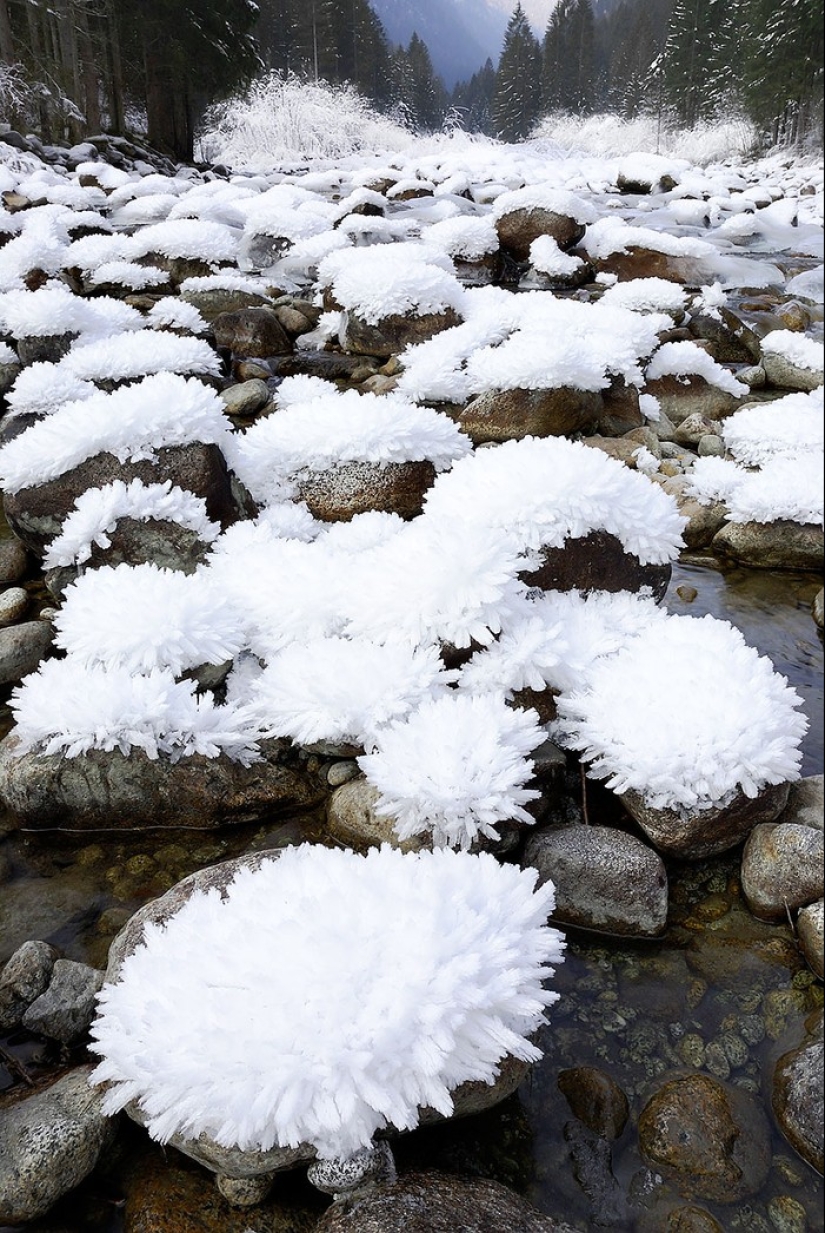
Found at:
[251, 332]
[65, 1009]
[710, 1139]
[787, 1215]
[437, 1203]
[21, 649]
[329, 365]
[596, 562]
[112, 791]
[351, 817]
[392, 333]
[605, 879]
[637, 262]
[596, 1099]
[687, 1219]
[44, 907]
[13, 561]
[809, 926]
[781, 372]
[680, 397]
[818, 608]
[13, 605]
[49, 1143]
[782, 868]
[338, 493]
[510, 415]
[772, 545]
[706, 832]
[593, 1171]
[246, 398]
[517, 229]
[797, 1098]
[806, 802]
[36, 514]
[703, 520]
[23, 979]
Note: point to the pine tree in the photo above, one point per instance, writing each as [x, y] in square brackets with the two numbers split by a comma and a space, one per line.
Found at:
[517, 96]
[783, 68]
[568, 58]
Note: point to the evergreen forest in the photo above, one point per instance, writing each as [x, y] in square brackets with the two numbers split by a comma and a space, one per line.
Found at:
[72, 68]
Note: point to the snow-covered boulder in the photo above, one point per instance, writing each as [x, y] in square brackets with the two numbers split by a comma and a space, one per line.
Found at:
[792, 361]
[525, 214]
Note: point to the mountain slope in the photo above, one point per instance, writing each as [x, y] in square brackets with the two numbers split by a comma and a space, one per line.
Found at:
[460, 34]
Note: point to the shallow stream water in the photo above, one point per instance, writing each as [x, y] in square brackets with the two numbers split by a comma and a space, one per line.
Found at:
[720, 992]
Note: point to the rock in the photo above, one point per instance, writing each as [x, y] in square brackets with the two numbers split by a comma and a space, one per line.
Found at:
[338, 493]
[709, 1138]
[64, 1011]
[732, 340]
[605, 879]
[21, 649]
[437, 1203]
[596, 562]
[251, 332]
[9, 372]
[330, 365]
[112, 791]
[22, 980]
[218, 300]
[13, 605]
[772, 545]
[392, 333]
[692, 428]
[620, 412]
[797, 1098]
[49, 1143]
[810, 926]
[620, 448]
[596, 1099]
[352, 819]
[680, 397]
[510, 415]
[705, 832]
[592, 1168]
[48, 348]
[517, 229]
[368, 1166]
[636, 262]
[806, 802]
[681, 1219]
[784, 374]
[710, 445]
[818, 608]
[36, 514]
[782, 868]
[14, 561]
[247, 398]
[45, 908]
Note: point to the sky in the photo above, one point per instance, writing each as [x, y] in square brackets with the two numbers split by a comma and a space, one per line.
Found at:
[537, 11]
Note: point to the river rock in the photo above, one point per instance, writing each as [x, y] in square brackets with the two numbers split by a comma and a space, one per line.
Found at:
[251, 332]
[680, 397]
[637, 262]
[783, 373]
[605, 879]
[21, 649]
[596, 562]
[806, 802]
[48, 348]
[24, 978]
[703, 521]
[338, 493]
[818, 608]
[9, 372]
[510, 415]
[797, 1098]
[49, 1143]
[215, 301]
[732, 340]
[36, 514]
[782, 868]
[593, 1170]
[596, 1099]
[809, 926]
[437, 1203]
[709, 1138]
[246, 398]
[517, 229]
[706, 832]
[64, 1011]
[693, 428]
[112, 791]
[13, 605]
[392, 333]
[352, 818]
[13, 561]
[772, 545]
[620, 412]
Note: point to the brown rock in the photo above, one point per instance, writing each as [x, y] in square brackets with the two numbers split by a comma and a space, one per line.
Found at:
[392, 333]
[510, 415]
[351, 818]
[782, 869]
[772, 545]
[596, 562]
[732, 340]
[251, 332]
[339, 493]
[705, 832]
[620, 409]
[797, 1098]
[519, 228]
[646, 263]
[596, 1099]
[680, 397]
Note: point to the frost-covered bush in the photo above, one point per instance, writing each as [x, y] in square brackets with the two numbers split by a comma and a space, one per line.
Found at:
[455, 768]
[736, 727]
[97, 511]
[365, 1015]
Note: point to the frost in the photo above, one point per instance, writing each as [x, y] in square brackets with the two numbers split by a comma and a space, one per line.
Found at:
[646, 295]
[548, 258]
[614, 235]
[396, 279]
[789, 425]
[200, 239]
[544, 197]
[797, 349]
[680, 359]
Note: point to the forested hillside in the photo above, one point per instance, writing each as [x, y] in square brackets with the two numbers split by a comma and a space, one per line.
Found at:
[73, 67]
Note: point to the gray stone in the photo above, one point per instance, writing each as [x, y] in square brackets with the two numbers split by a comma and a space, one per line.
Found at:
[693, 835]
[797, 1098]
[13, 560]
[49, 348]
[517, 229]
[366, 1167]
[788, 376]
[710, 1139]
[342, 772]
[592, 1168]
[13, 605]
[111, 791]
[351, 817]
[810, 927]
[732, 340]
[710, 445]
[64, 1011]
[9, 372]
[437, 1203]
[806, 802]
[22, 647]
[338, 493]
[605, 879]
[23, 979]
[211, 303]
[772, 545]
[49, 1143]
[247, 398]
[692, 428]
[510, 415]
[782, 869]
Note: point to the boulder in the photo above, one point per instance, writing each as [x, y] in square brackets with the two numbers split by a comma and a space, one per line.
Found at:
[14, 561]
[806, 802]
[638, 262]
[810, 928]
[113, 791]
[517, 229]
[22, 647]
[392, 333]
[13, 605]
[620, 411]
[338, 493]
[596, 562]
[696, 834]
[797, 1098]
[510, 415]
[731, 339]
[785, 375]
[65, 1009]
[246, 398]
[25, 976]
[710, 1139]
[680, 397]
[782, 868]
[352, 818]
[772, 545]
[605, 879]
[218, 300]
[251, 332]
[50, 1142]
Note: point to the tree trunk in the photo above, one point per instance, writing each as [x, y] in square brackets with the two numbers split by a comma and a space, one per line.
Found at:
[7, 54]
[169, 122]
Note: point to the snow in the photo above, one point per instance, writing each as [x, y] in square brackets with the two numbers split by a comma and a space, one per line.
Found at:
[797, 349]
[379, 282]
[547, 197]
[431, 982]
[790, 425]
[54, 310]
[785, 487]
[548, 258]
[685, 359]
[613, 235]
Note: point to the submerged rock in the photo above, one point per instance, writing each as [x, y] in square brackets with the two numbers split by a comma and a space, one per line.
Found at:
[596, 1099]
